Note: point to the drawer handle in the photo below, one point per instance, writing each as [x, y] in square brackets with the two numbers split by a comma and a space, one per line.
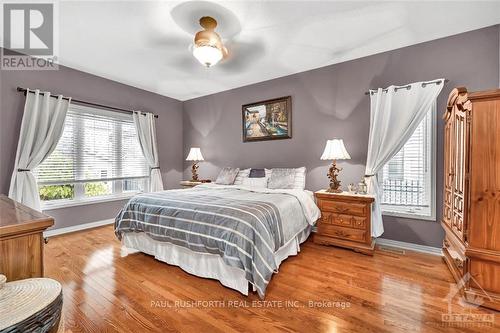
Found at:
[459, 263]
[341, 210]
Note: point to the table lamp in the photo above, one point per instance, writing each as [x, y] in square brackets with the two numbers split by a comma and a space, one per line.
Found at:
[195, 156]
[335, 150]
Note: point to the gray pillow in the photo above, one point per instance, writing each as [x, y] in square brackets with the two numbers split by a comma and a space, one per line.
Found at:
[282, 178]
[257, 173]
[242, 174]
[227, 176]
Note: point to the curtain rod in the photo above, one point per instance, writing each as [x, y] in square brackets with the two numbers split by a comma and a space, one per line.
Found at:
[78, 101]
[408, 86]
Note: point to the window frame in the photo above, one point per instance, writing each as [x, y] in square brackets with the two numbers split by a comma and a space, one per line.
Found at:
[385, 209]
[79, 198]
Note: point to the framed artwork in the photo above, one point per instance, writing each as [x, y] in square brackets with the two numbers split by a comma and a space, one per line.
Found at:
[267, 120]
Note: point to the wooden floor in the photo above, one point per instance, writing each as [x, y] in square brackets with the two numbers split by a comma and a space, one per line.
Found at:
[107, 291]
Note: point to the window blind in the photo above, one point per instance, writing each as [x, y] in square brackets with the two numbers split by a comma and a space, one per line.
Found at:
[406, 179]
[96, 145]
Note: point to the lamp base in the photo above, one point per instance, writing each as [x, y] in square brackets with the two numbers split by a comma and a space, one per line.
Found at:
[333, 172]
[333, 190]
[194, 171]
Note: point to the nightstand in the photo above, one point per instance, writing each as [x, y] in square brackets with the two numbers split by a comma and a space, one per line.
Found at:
[190, 183]
[345, 221]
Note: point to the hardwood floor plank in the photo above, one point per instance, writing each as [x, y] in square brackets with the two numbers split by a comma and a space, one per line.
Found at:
[107, 290]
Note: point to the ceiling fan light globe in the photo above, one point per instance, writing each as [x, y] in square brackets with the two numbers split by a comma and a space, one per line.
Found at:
[207, 55]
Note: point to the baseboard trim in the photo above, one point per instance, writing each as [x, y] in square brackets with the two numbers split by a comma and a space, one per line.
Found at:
[66, 230]
[379, 241]
[410, 246]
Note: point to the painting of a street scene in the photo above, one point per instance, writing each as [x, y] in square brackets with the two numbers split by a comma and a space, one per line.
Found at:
[267, 120]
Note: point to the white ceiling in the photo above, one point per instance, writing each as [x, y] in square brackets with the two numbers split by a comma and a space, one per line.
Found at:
[146, 43]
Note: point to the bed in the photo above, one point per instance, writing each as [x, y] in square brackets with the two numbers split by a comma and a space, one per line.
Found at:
[232, 233]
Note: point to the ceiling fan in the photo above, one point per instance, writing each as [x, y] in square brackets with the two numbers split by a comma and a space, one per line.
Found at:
[208, 48]
[229, 42]
[219, 40]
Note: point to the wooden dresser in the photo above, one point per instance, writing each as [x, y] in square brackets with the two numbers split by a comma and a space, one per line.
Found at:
[21, 240]
[345, 221]
[471, 207]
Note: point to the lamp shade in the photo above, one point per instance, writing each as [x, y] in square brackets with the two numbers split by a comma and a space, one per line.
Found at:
[195, 155]
[335, 150]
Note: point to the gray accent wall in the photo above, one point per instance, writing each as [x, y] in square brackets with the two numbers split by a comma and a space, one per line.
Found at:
[84, 86]
[330, 102]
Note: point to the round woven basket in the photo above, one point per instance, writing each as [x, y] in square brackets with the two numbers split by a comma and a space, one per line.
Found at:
[30, 305]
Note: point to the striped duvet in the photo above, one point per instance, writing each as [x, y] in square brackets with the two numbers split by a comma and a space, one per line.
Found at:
[244, 226]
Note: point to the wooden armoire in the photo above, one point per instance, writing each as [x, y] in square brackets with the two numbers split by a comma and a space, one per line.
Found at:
[471, 208]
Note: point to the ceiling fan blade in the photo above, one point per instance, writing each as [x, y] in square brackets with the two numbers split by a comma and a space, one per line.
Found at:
[183, 62]
[175, 43]
[241, 55]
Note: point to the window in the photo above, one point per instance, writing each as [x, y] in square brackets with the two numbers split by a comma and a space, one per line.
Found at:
[98, 157]
[407, 181]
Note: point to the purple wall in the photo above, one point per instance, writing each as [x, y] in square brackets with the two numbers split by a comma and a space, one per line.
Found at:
[330, 102]
[327, 102]
[77, 84]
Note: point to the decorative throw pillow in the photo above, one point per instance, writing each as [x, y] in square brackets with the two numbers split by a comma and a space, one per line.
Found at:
[255, 182]
[282, 179]
[257, 173]
[300, 179]
[227, 176]
[268, 172]
[242, 174]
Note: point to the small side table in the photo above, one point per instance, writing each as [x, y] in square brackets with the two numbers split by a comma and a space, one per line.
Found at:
[345, 221]
[190, 183]
[31, 305]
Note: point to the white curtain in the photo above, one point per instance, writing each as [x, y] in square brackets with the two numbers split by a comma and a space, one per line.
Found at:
[41, 129]
[146, 133]
[395, 113]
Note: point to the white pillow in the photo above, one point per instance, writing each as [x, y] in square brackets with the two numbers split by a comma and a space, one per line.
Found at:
[227, 176]
[255, 182]
[268, 172]
[300, 179]
[244, 173]
[299, 183]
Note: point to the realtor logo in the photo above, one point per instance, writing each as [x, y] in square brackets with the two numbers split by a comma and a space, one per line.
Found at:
[29, 28]
[28, 36]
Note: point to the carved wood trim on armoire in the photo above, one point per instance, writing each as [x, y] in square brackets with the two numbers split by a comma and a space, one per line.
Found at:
[471, 207]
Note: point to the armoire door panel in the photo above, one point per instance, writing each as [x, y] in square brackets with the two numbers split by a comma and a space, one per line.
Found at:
[459, 165]
[448, 173]
[485, 187]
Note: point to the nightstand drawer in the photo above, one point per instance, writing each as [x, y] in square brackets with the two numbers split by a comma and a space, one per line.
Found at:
[350, 208]
[330, 230]
[343, 220]
[349, 221]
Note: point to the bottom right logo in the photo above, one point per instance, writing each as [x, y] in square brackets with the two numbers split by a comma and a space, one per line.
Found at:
[468, 302]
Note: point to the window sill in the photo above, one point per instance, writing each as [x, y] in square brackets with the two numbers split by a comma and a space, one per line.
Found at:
[413, 216]
[84, 202]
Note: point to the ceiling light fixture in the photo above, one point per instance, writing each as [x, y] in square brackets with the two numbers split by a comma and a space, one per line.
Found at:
[208, 48]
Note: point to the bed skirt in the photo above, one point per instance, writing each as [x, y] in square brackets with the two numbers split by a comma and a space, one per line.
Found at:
[202, 264]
